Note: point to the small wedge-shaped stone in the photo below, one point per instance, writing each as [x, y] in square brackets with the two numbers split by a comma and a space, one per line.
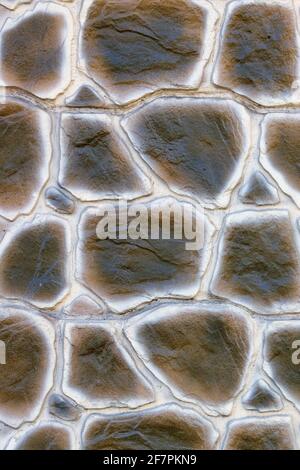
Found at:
[127, 272]
[99, 372]
[258, 261]
[167, 427]
[26, 373]
[268, 433]
[46, 435]
[35, 50]
[85, 97]
[259, 191]
[33, 261]
[200, 350]
[135, 47]
[95, 162]
[262, 398]
[196, 145]
[25, 151]
[63, 408]
[280, 151]
[282, 357]
[83, 306]
[59, 201]
[258, 56]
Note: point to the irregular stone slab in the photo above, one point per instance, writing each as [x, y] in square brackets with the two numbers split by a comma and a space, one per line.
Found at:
[268, 433]
[59, 201]
[47, 435]
[95, 162]
[201, 351]
[84, 306]
[27, 375]
[258, 191]
[258, 261]
[136, 47]
[196, 145]
[127, 272]
[33, 261]
[261, 397]
[35, 50]
[258, 56]
[63, 408]
[86, 97]
[280, 147]
[281, 357]
[99, 372]
[25, 151]
[168, 427]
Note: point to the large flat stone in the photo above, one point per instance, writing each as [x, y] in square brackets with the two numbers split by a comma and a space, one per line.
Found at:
[168, 427]
[196, 145]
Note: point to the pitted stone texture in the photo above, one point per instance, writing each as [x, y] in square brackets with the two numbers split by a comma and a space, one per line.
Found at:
[36, 50]
[280, 150]
[168, 427]
[63, 408]
[138, 46]
[268, 433]
[33, 261]
[95, 162]
[257, 190]
[99, 372]
[25, 151]
[201, 351]
[46, 436]
[258, 56]
[27, 375]
[261, 397]
[83, 306]
[126, 273]
[59, 201]
[196, 145]
[85, 96]
[258, 261]
[282, 357]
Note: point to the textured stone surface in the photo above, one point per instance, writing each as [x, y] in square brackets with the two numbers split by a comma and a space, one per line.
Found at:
[258, 55]
[63, 408]
[26, 376]
[95, 163]
[83, 306]
[258, 262]
[135, 47]
[156, 343]
[24, 155]
[59, 201]
[47, 436]
[168, 427]
[99, 372]
[262, 398]
[260, 434]
[129, 272]
[34, 261]
[85, 97]
[196, 145]
[35, 50]
[201, 351]
[280, 147]
[257, 190]
[280, 363]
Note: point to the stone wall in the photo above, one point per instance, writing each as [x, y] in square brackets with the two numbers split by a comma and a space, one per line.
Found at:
[141, 344]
